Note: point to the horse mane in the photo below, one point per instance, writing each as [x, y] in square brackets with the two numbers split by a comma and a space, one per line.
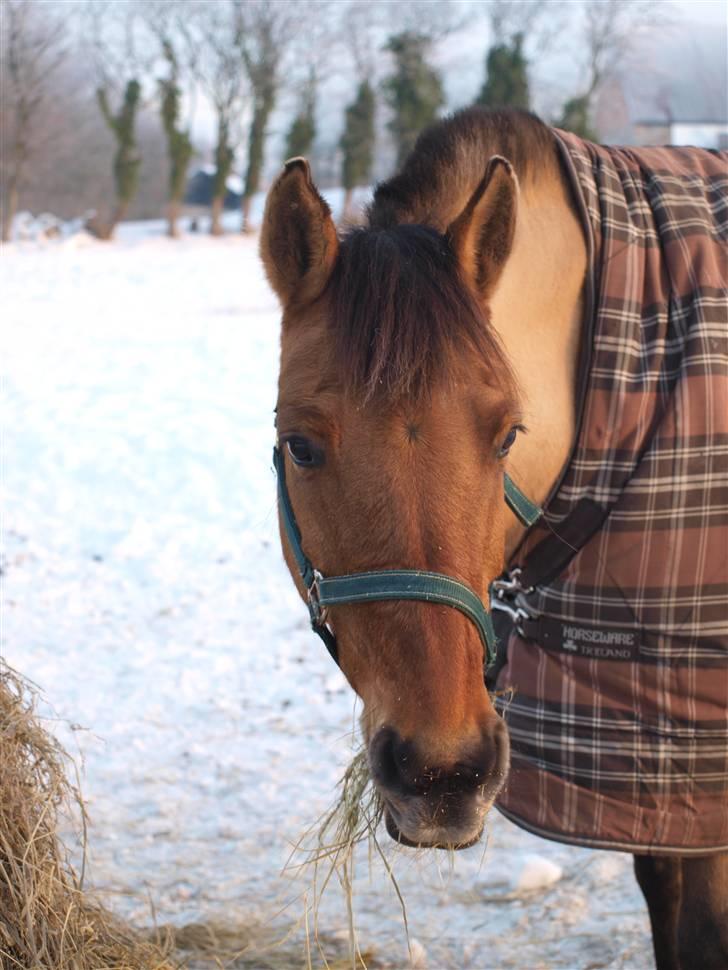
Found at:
[449, 159]
[400, 309]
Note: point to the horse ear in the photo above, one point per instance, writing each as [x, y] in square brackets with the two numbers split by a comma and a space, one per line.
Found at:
[298, 243]
[482, 235]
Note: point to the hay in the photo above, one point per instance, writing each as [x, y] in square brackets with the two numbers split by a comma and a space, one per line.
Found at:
[48, 921]
[352, 820]
[245, 946]
[46, 918]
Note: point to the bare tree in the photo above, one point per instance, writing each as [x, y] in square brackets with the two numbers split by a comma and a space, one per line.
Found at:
[609, 30]
[540, 24]
[364, 32]
[217, 34]
[34, 47]
[266, 31]
[169, 23]
[433, 21]
[313, 57]
[122, 58]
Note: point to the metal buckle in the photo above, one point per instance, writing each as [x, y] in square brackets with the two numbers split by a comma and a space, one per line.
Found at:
[510, 585]
[503, 606]
[505, 596]
[516, 613]
[318, 615]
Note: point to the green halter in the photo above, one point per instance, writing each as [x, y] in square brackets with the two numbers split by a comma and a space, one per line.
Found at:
[389, 584]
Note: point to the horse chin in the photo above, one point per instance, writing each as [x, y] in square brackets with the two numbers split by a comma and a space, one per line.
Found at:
[395, 833]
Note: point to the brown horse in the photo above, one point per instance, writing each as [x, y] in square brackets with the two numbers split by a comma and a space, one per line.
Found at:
[415, 353]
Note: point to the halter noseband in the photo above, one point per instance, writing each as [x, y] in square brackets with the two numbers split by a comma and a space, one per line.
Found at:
[390, 584]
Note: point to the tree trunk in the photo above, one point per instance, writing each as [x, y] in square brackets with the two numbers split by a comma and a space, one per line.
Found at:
[346, 208]
[256, 147]
[117, 216]
[106, 231]
[173, 212]
[246, 226]
[9, 209]
[216, 228]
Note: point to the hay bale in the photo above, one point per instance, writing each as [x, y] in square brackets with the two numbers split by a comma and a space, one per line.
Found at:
[46, 919]
[49, 922]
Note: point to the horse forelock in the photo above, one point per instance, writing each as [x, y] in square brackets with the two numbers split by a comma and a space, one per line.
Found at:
[402, 316]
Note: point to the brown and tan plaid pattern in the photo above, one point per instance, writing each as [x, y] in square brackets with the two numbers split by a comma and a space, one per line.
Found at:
[633, 753]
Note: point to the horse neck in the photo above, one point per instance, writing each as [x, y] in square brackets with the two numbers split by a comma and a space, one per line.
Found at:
[537, 311]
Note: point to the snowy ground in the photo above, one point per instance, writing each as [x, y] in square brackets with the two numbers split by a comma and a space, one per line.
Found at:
[145, 593]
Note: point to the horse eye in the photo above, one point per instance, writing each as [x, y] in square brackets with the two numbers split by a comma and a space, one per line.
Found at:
[303, 452]
[508, 442]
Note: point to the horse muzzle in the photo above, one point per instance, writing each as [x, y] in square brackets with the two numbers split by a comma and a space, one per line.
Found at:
[438, 805]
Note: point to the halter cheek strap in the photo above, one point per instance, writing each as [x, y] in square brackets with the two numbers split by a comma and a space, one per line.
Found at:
[526, 511]
[389, 584]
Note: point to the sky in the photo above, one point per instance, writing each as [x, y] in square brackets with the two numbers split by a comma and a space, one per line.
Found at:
[696, 43]
[703, 11]
[694, 39]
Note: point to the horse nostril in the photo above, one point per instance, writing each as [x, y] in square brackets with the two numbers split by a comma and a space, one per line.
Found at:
[497, 745]
[392, 761]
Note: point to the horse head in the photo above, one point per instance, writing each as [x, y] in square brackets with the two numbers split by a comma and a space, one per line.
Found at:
[396, 411]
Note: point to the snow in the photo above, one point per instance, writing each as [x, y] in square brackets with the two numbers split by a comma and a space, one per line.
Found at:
[537, 873]
[146, 594]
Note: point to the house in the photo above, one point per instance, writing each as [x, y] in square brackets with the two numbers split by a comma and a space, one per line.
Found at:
[199, 189]
[671, 91]
[690, 131]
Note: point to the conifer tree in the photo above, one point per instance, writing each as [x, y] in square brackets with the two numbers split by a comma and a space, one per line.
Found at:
[357, 143]
[179, 144]
[302, 132]
[575, 117]
[506, 83]
[126, 158]
[414, 91]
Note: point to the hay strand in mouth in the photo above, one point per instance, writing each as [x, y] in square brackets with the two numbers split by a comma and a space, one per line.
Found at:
[328, 849]
[46, 918]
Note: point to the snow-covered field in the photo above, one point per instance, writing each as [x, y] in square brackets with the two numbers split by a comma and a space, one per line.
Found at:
[146, 594]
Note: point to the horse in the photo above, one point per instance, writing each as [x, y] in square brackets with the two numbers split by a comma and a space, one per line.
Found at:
[525, 320]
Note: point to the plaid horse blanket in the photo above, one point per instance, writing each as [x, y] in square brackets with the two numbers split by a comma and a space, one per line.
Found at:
[618, 713]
